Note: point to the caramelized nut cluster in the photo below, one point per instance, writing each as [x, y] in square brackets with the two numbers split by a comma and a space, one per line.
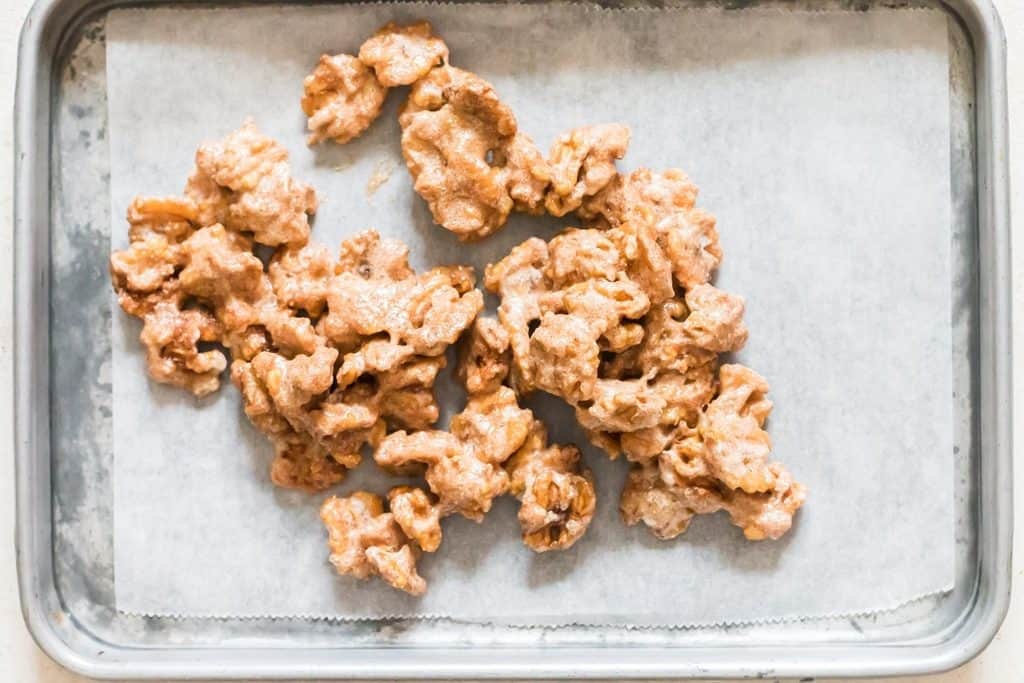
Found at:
[328, 353]
[620, 321]
[461, 143]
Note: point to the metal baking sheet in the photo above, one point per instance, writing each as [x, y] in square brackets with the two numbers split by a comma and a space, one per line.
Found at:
[63, 453]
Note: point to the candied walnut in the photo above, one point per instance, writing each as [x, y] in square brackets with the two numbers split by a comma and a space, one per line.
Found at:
[578, 256]
[342, 97]
[464, 464]
[144, 277]
[663, 203]
[564, 356]
[560, 312]
[173, 218]
[171, 337]
[484, 357]
[466, 156]
[244, 182]
[221, 270]
[668, 509]
[670, 344]
[157, 227]
[143, 268]
[427, 312]
[737, 445]
[557, 495]
[315, 439]
[301, 463]
[366, 541]
[398, 568]
[401, 55]
[715, 322]
[638, 415]
[583, 163]
[300, 277]
[519, 280]
[419, 518]
[621, 406]
[719, 464]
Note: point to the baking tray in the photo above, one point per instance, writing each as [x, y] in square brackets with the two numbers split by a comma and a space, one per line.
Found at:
[63, 445]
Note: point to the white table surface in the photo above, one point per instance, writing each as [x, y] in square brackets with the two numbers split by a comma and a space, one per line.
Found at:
[22, 662]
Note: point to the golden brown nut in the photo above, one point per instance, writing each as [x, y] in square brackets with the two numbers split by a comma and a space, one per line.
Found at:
[662, 205]
[667, 509]
[342, 97]
[171, 336]
[557, 495]
[145, 278]
[244, 182]
[173, 218]
[582, 164]
[427, 312]
[731, 427]
[221, 270]
[464, 465]
[419, 518]
[721, 464]
[484, 357]
[401, 55]
[466, 156]
[556, 510]
[560, 311]
[365, 541]
[300, 277]
[302, 463]
[315, 442]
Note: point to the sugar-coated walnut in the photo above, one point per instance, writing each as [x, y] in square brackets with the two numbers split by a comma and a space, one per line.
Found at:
[300, 276]
[484, 357]
[556, 494]
[366, 541]
[315, 442]
[244, 182]
[401, 55]
[464, 464]
[221, 270]
[466, 155]
[342, 97]
[583, 163]
[145, 278]
[425, 312]
[732, 429]
[417, 515]
[668, 509]
[171, 336]
[561, 311]
[719, 464]
[662, 205]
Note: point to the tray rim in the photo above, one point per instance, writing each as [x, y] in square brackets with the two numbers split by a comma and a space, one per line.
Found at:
[51, 21]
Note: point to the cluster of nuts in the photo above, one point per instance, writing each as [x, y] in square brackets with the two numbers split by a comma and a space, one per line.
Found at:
[332, 354]
[462, 145]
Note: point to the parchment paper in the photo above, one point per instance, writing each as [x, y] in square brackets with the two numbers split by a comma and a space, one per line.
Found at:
[821, 142]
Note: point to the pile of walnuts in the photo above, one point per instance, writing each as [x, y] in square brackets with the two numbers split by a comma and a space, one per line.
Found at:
[335, 354]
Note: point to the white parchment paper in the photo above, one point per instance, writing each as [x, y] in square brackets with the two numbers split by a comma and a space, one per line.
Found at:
[821, 142]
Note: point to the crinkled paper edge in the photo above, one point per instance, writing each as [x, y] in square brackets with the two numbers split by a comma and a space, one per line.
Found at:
[703, 6]
[541, 622]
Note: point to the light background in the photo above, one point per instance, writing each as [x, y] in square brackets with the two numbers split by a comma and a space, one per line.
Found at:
[21, 661]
